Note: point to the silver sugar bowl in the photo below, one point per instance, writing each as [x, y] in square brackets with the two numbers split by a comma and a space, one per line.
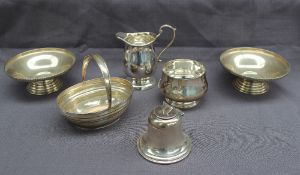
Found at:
[183, 82]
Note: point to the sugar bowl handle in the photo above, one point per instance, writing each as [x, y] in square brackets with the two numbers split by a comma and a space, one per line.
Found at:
[170, 43]
[104, 70]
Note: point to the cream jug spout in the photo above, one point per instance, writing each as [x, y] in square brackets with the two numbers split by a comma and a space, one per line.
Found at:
[138, 39]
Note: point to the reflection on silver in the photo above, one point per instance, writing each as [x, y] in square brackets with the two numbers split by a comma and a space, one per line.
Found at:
[249, 73]
[42, 62]
[43, 73]
[92, 103]
[249, 61]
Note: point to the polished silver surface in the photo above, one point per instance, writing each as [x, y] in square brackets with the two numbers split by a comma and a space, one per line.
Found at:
[253, 68]
[95, 103]
[183, 82]
[255, 63]
[164, 142]
[41, 68]
[139, 57]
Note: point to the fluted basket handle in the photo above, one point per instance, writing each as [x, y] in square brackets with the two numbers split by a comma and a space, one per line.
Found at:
[172, 40]
[104, 70]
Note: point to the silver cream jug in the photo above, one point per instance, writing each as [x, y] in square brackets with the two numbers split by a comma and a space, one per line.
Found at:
[139, 56]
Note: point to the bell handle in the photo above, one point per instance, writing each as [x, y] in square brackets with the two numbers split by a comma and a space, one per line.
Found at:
[170, 43]
[180, 113]
[104, 70]
[121, 36]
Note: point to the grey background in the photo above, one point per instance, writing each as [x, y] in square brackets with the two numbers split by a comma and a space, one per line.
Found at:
[93, 23]
[232, 133]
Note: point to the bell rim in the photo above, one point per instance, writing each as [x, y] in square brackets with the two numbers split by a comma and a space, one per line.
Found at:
[172, 159]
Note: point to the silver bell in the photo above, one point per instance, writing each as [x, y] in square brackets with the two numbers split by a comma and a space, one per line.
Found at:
[164, 142]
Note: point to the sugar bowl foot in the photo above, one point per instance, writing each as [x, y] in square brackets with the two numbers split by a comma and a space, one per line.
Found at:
[182, 105]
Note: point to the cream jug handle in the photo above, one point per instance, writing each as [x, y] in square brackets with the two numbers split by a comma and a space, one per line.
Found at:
[170, 43]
